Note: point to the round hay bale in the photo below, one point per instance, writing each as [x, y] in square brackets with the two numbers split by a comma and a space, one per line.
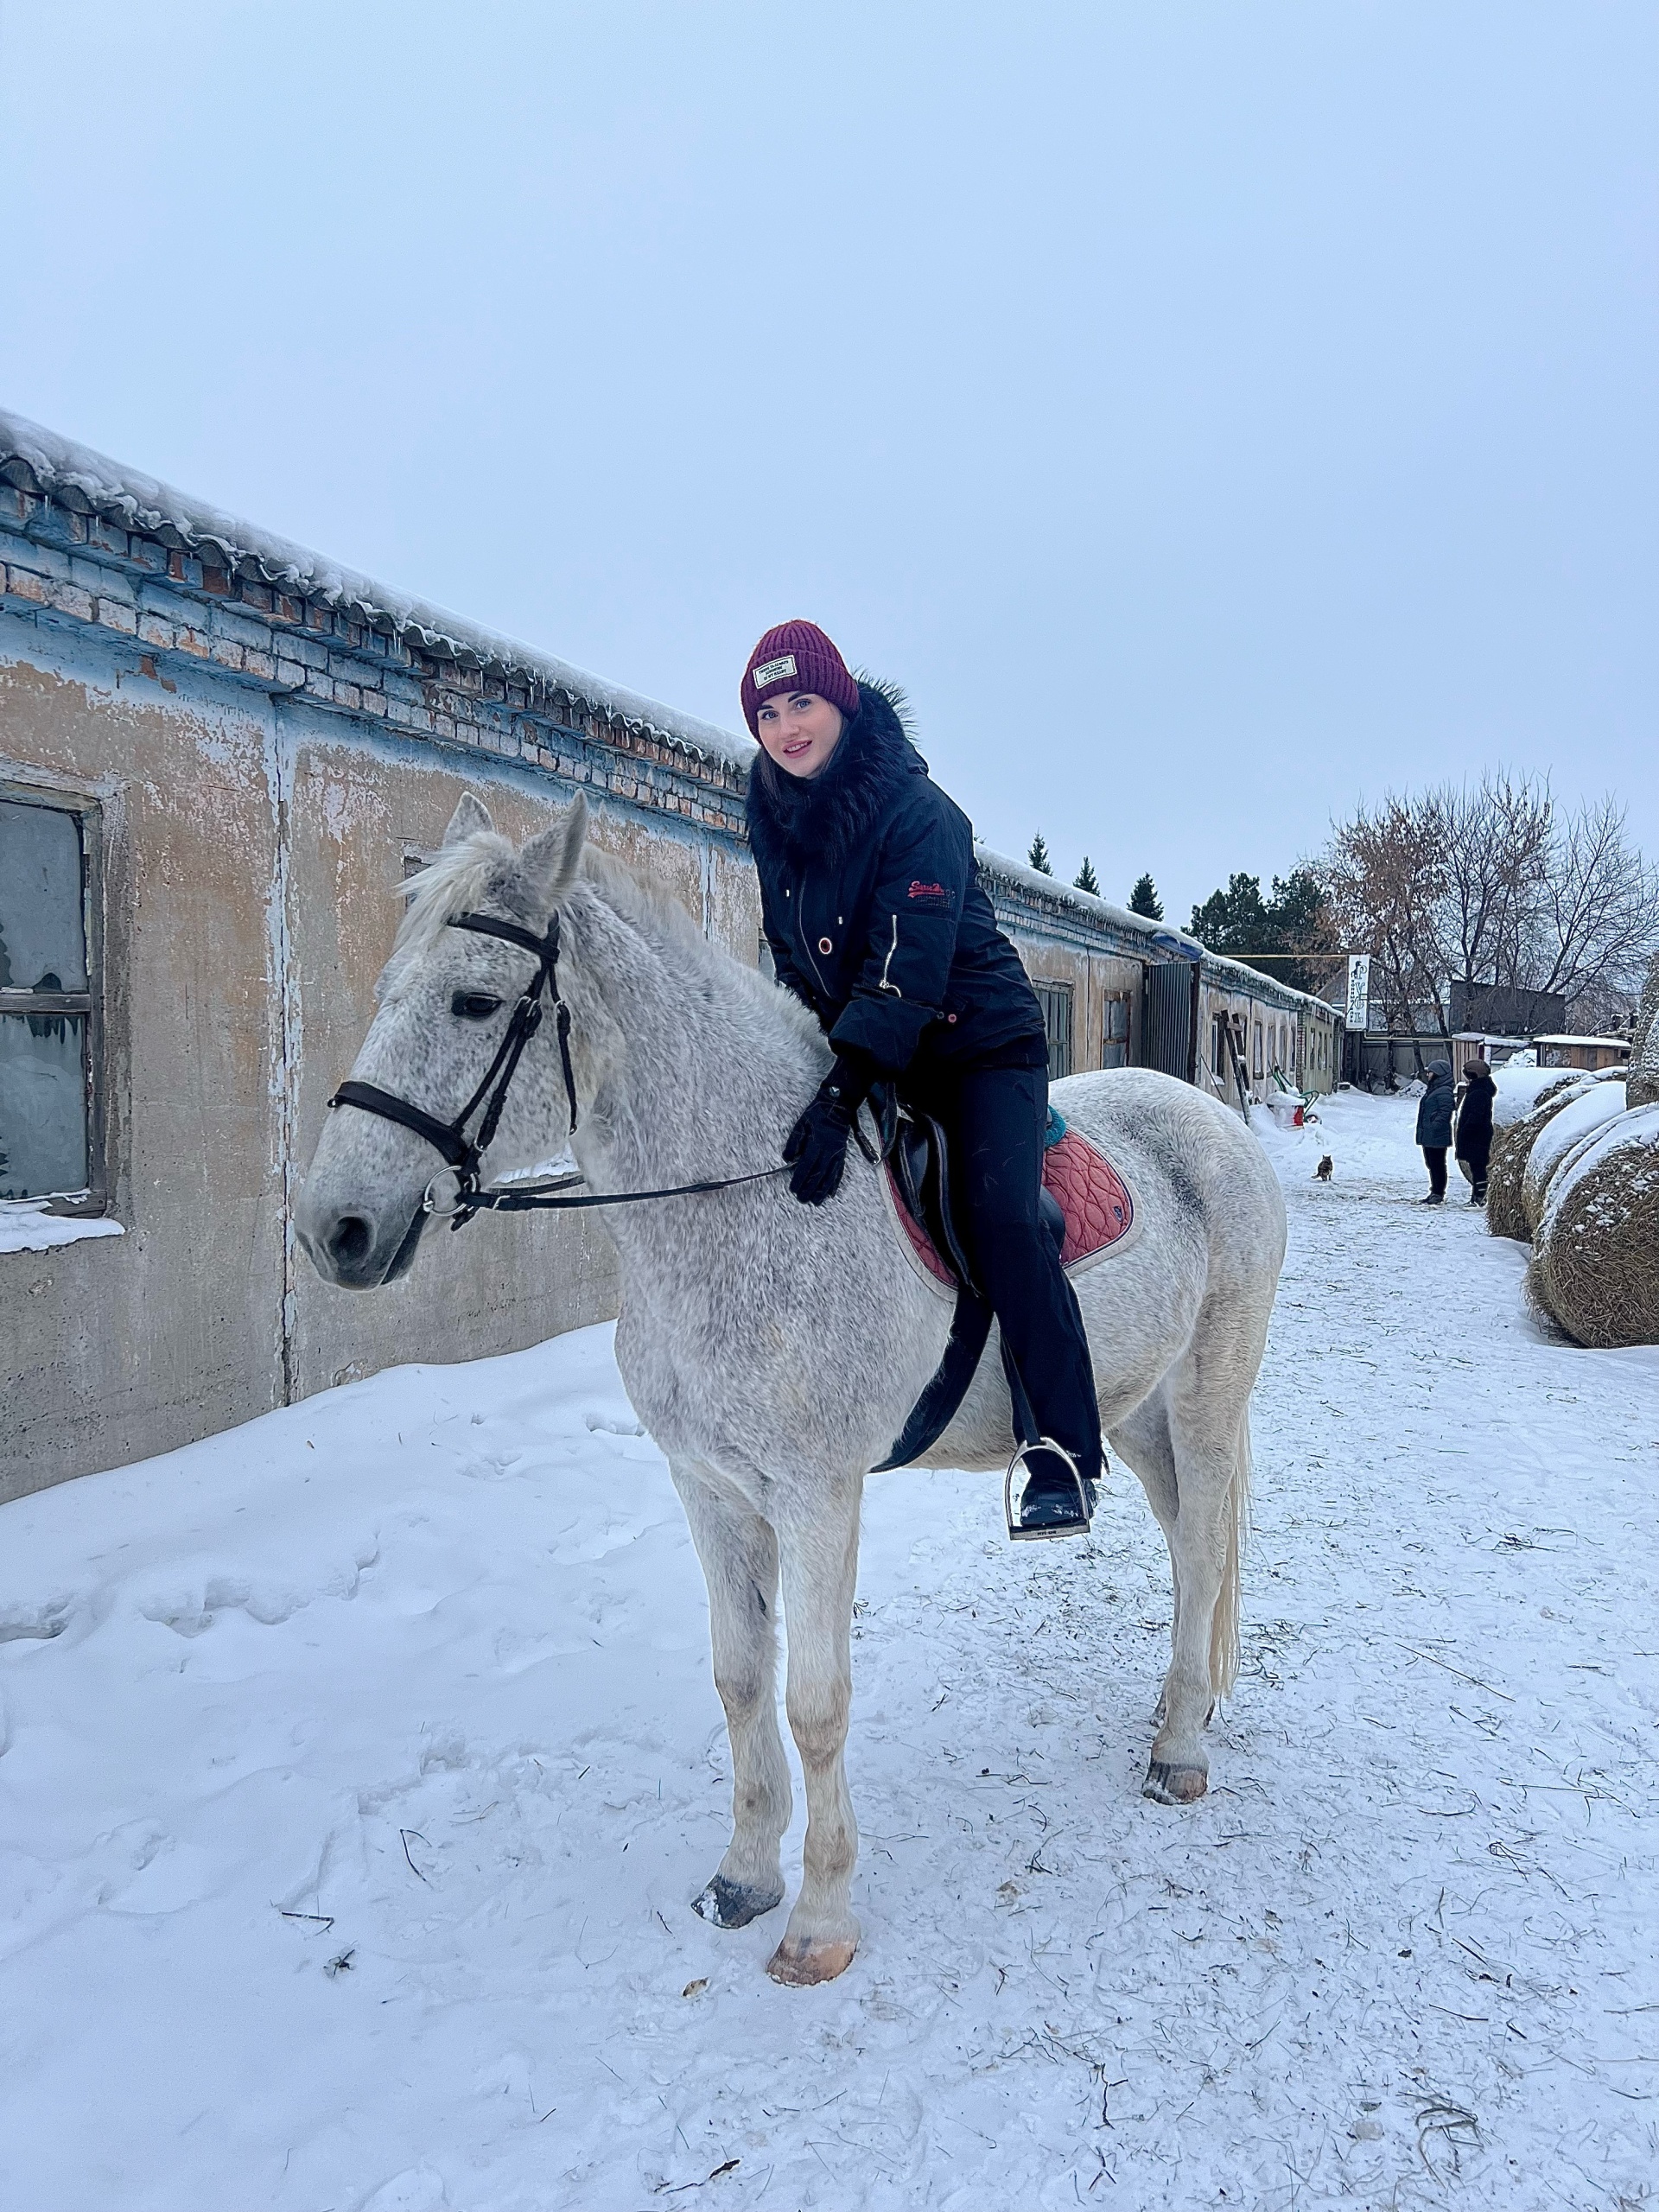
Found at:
[1596, 1269]
[1556, 1142]
[1511, 1143]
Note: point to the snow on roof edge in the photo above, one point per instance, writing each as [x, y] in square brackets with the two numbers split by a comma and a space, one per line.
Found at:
[58, 466]
[92, 481]
[1181, 943]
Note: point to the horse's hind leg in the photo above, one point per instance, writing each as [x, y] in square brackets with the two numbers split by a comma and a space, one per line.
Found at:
[820, 1562]
[1209, 1430]
[739, 1552]
[1143, 1442]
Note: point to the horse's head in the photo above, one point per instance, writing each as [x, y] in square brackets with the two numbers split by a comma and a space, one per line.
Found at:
[446, 999]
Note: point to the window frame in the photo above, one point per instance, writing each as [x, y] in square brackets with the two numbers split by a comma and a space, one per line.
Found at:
[89, 813]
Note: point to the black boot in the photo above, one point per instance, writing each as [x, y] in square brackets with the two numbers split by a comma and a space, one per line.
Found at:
[1058, 1500]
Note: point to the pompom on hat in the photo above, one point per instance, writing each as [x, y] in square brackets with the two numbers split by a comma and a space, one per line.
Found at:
[796, 657]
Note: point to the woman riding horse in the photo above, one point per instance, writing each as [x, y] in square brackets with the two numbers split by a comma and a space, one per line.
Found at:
[877, 923]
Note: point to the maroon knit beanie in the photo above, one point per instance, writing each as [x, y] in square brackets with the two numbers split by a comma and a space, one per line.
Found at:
[796, 657]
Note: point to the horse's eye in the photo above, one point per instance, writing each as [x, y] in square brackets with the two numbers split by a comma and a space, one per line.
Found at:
[474, 1006]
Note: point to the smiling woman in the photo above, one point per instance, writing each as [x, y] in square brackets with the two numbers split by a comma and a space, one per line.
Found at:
[877, 923]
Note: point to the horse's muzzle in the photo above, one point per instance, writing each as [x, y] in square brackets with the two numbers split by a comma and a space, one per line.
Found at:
[357, 1253]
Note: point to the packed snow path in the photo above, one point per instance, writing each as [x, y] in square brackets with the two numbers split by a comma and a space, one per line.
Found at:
[358, 1766]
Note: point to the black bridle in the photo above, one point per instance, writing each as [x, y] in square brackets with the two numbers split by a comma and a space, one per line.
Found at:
[464, 1154]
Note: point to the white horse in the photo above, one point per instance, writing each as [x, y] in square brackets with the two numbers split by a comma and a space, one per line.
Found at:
[774, 1350]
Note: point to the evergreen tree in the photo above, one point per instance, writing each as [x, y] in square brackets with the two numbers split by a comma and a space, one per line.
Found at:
[1144, 900]
[1296, 918]
[1085, 879]
[1235, 920]
[1038, 856]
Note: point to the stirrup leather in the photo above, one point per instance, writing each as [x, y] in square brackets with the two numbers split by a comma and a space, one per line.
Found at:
[1016, 1533]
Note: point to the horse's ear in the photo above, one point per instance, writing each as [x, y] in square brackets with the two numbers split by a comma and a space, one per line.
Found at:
[470, 815]
[551, 859]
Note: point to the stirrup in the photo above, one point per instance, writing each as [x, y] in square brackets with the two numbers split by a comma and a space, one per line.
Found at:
[1018, 1535]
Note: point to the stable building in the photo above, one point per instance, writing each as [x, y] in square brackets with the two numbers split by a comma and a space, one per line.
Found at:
[219, 754]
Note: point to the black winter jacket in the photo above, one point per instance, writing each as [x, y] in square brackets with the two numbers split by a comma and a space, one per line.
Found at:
[1475, 1118]
[873, 907]
[1435, 1109]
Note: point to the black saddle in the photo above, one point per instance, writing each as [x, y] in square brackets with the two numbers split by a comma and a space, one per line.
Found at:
[917, 1151]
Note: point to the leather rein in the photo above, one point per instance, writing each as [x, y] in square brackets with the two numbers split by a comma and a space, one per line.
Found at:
[464, 1154]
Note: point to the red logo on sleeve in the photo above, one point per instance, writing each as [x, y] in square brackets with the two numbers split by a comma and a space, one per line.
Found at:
[935, 891]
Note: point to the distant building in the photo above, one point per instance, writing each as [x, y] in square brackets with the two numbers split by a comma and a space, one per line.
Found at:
[1497, 1009]
[1593, 1052]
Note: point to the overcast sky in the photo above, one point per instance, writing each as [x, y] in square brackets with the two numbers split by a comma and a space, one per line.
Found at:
[1211, 413]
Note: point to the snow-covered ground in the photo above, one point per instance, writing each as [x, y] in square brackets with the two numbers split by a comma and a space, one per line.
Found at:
[358, 1766]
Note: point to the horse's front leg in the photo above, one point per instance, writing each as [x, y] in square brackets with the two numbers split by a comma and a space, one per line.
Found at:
[820, 1562]
[739, 1552]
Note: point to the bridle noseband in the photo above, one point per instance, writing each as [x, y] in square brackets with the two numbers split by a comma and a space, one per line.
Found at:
[462, 1152]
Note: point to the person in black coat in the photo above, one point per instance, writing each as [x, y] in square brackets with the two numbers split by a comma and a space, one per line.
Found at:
[1477, 1098]
[1434, 1128]
[877, 921]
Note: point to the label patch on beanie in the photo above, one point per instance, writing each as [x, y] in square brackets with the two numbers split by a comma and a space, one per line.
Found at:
[770, 670]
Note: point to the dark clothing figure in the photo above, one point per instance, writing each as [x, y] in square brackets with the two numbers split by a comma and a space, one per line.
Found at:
[994, 1119]
[1434, 1108]
[1474, 1144]
[877, 921]
[873, 907]
[1434, 1127]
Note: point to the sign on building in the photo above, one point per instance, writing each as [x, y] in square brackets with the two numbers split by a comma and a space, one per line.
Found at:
[1359, 990]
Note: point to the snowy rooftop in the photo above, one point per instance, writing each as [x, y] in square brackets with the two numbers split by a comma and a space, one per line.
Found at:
[38, 460]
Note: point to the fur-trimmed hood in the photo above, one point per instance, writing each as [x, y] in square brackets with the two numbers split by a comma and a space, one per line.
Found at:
[830, 815]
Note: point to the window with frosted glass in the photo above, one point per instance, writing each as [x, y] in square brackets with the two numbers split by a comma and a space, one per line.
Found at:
[46, 1003]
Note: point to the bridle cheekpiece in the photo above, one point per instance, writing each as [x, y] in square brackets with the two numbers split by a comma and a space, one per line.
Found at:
[463, 1153]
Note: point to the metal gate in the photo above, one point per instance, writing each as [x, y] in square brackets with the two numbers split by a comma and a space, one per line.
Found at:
[1172, 1025]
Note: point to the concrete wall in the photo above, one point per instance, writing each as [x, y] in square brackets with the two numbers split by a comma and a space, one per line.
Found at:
[253, 848]
[1299, 1034]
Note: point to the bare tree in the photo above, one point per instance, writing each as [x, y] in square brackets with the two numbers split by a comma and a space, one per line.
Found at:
[1596, 921]
[1494, 883]
[1385, 872]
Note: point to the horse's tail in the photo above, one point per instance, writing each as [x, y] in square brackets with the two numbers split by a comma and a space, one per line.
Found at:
[1224, 1626]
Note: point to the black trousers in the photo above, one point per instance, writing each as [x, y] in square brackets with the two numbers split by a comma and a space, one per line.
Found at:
[995, 1119]
[1435, 1155]
[1476, 1152]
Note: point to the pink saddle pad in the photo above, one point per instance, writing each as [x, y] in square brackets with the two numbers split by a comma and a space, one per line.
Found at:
[1092, 1196]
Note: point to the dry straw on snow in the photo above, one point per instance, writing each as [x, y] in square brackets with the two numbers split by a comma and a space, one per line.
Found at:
[1556, 1146]
[1596, 1269]
[1511, 1143]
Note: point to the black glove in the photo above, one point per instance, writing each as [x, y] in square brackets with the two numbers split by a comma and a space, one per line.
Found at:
[817, 1146]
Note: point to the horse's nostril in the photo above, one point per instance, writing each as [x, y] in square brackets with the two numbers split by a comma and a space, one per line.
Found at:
[349, 1240]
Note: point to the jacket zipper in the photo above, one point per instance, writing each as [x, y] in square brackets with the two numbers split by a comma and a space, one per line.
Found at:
[884, 985]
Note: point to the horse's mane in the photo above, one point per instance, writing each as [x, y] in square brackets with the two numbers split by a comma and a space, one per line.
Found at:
[483, 866]
[455, 878]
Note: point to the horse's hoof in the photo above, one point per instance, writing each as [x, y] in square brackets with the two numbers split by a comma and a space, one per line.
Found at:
[735, 1905]
[1174, 1785]
[799, 1965]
